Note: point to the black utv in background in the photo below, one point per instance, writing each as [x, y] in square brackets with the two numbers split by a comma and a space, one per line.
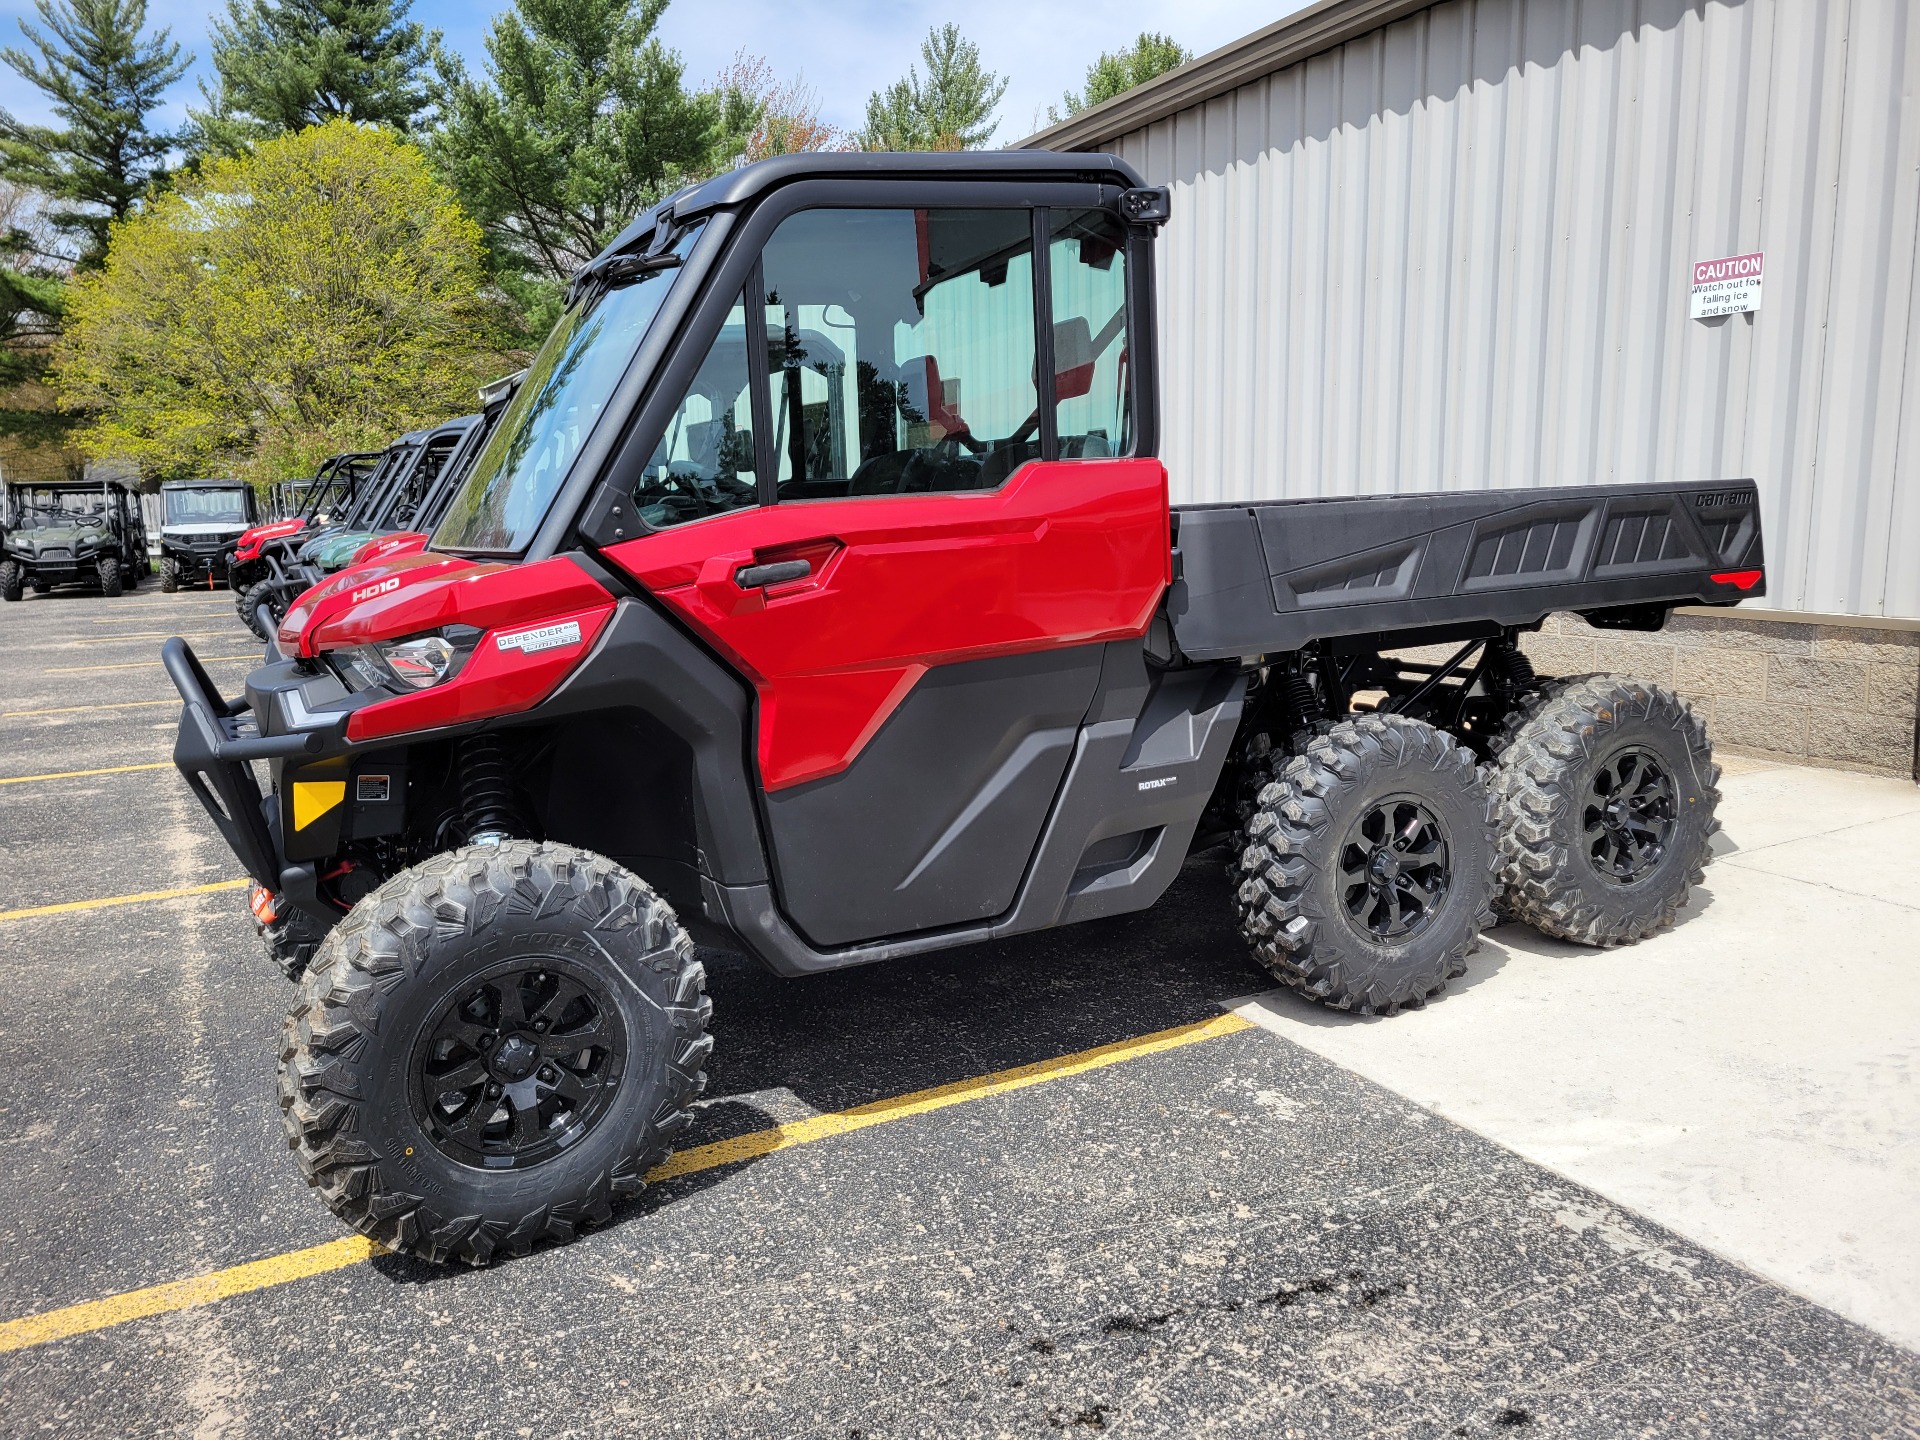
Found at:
[72, 533]
[200, 522]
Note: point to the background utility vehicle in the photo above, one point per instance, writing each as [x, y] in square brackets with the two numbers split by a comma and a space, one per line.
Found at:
[261, 554]
[819, 591]
[200, 523]
[79, 532]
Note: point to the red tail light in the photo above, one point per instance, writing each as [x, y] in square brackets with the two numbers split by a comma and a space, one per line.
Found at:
[1739, 579]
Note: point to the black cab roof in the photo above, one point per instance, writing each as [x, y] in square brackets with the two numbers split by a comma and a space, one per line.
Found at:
[750, 182]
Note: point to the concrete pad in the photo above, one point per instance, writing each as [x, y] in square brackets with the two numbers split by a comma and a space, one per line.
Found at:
[1879, 859]
[1747, 1078]
[1792, 802]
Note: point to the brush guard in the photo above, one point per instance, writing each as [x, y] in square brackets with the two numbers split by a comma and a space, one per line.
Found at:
[217, 744]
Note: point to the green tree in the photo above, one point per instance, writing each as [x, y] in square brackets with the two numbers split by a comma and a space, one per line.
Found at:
[104, 75]
[318, 294]
[283, 65]
[1118, 71]
[580, 123]
[33, 432]
[953, 109]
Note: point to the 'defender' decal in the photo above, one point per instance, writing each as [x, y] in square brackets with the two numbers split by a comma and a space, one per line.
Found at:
[545, 637]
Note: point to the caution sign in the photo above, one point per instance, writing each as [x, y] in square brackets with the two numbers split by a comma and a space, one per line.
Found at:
[1726, 287]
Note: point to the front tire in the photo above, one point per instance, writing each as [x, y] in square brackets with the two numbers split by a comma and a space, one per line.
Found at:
[169, 575]
[1604, 806]
[249, 604]
[493, 1047]
[11, 583]
[1368, 869]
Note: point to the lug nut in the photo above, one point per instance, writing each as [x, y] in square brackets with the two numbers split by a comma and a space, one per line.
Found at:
[493, 1090]
[540, 1026]
[546, 1073]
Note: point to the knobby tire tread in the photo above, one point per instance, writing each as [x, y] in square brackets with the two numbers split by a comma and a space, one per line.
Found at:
[381, 943]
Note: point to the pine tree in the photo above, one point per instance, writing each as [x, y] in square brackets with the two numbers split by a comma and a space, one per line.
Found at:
[286, 64]
[104, 76]
[1117, 72]
[952, 110]
[579, 124]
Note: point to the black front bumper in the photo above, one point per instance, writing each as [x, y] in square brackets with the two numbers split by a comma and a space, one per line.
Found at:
[215, 750]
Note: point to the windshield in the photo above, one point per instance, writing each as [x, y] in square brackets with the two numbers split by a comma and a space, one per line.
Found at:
[527, 458]
[206, 507]
[62, 507]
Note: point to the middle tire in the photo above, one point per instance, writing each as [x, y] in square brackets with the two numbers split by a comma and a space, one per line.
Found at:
[1368, 871]
[491, 1048]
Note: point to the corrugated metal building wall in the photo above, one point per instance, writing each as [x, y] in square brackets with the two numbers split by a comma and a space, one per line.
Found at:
[1449, 247]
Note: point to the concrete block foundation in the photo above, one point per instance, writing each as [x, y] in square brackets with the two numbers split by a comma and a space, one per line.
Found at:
[1784, 689]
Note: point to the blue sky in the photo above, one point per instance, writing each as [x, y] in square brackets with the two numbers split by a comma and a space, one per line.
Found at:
[844, 50]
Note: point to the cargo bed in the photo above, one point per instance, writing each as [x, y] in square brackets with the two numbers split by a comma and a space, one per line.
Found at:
[1273, 576]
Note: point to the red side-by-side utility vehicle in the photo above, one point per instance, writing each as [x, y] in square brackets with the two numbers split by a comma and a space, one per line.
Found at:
[818, 594]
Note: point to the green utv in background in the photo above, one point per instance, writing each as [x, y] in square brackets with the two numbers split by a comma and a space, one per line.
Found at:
[201, 520]
[72, 533]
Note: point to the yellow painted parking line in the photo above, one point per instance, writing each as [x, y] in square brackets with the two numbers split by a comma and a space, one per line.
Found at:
[224, 634]
[77, 774]
[338, 1254]
[68, 907]
[76, 709]
[142, 665]
[920, 1102]
[186, 1294]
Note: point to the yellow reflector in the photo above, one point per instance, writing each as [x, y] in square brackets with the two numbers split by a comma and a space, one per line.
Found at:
[314, 798]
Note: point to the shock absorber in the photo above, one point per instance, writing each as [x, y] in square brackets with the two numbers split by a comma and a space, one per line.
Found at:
[489, 800]
[1301, 699]
[1512, 671]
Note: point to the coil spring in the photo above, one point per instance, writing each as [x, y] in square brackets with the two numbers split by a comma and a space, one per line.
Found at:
[1300, 697]
[1511, 665]
[489, 802]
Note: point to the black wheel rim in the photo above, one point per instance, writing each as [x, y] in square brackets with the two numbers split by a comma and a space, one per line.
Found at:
[1628, 819]
[519, 1066]
[1395, 869]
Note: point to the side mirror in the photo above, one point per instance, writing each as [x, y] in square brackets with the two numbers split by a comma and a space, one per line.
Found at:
[1073, 358]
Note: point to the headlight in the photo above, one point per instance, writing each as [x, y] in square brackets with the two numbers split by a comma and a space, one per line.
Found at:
[417, 663]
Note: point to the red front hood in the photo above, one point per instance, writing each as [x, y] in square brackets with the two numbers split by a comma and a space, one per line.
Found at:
[247, 547]
[405, 542]
[411, 594]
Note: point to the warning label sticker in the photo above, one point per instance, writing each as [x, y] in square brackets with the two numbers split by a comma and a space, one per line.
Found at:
[1726, 287]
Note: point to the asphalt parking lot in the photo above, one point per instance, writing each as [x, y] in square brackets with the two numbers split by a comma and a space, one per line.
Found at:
[1142, 1198]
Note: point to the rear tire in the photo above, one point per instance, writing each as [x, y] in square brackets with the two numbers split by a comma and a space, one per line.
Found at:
[10, 581]
[1604, 807]
[110, 584]
[169, 575]
[425, 1095]
[1368, 869]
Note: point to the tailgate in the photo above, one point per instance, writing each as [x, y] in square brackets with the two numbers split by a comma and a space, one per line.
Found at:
[1272, 576]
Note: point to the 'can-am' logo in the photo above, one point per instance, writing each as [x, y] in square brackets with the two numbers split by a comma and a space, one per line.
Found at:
[368, 592]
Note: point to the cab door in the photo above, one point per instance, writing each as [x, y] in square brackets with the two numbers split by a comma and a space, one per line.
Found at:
[917, 586]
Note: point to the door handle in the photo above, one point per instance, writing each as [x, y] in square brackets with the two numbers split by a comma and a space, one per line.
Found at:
[754, 577]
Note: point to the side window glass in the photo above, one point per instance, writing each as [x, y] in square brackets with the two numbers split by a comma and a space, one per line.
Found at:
[704, 463]
[1087, 258]
[901, 350]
